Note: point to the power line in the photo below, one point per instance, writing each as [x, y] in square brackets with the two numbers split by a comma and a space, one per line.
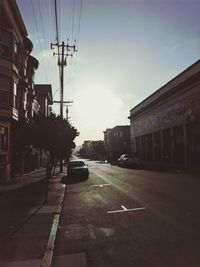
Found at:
[34, 15]
[56, 21]
[53, 16]
[79, 22]
[73, 20]
[59, 17]
[36, 25]
[53, 26]
[50, 21]
[43, 32]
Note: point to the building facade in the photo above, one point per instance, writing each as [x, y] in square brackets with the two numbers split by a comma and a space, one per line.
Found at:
[15, 48]
[165, 127]
[117, 141]
[18, 100]
[43, 93]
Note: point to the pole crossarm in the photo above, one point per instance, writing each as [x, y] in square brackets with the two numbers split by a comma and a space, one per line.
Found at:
[64, 102]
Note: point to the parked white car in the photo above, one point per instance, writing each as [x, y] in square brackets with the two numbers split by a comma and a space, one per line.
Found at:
[127, 160]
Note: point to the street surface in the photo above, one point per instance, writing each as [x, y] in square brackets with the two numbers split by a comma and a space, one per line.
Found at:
[125, 217]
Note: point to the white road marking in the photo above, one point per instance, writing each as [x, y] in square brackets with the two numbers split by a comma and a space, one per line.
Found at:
[106, 180]
[125, 209]
[100, 185]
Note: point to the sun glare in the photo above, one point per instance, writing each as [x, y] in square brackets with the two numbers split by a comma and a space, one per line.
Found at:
[96, 105]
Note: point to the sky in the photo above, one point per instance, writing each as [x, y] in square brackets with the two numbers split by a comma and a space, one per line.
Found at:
[127, 49]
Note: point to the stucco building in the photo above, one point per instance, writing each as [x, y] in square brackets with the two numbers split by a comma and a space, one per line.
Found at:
[165, 127]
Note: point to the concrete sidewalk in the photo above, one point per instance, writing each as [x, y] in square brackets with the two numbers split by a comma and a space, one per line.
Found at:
[28, 224]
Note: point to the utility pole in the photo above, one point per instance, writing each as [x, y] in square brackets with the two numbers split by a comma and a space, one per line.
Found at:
[62, 62]
[67, 104]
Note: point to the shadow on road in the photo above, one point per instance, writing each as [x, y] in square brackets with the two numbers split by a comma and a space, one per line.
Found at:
[73, 180]
[18, 206]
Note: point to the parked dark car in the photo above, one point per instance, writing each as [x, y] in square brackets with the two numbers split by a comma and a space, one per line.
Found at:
[77, 169]
[127, 160]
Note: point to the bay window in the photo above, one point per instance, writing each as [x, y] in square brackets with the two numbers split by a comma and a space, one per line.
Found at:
[5, 85]
[5, 44]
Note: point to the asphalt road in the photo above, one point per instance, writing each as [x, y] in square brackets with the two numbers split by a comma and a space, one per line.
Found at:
[122, 217]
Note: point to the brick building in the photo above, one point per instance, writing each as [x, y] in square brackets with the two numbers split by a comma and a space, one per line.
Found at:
[165, 127]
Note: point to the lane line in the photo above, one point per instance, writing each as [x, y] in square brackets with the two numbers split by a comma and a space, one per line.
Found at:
[127, 210]
[100, 185]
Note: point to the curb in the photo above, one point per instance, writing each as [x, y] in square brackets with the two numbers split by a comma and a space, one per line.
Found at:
[48, 255]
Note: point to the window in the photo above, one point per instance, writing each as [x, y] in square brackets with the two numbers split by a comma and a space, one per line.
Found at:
[157, 146]
[149, 144]
[137, 145]
[15, 48]
[3, 138]
[15, 96]
[5, 44]
[5, 85]
[167, 145]
[25, 66]
[143, 147]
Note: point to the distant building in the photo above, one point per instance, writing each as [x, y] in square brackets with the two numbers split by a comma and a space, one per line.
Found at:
[43, 93]
[86, 145]
[108, 142]
[165, 127]
[117, 141]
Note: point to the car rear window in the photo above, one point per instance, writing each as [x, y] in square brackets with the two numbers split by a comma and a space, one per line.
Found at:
[77, 164]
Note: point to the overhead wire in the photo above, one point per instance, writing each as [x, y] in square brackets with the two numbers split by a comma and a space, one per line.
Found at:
[51, 23]
[44, 36]
[79, 22]
[75, 21]
[38, 35]
[56, 20]
[53, 18]
[73, 15]
[59, 18]
[74, 64]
